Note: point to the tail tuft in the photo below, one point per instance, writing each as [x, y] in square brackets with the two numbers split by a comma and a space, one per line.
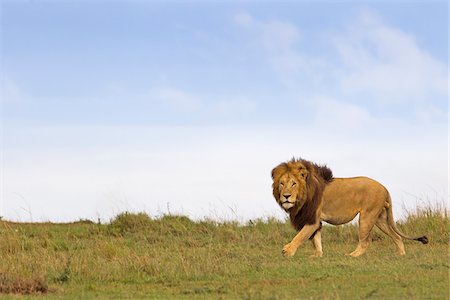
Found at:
[423, 239]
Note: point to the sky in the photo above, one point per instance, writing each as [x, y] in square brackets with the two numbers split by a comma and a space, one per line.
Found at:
[185, 107]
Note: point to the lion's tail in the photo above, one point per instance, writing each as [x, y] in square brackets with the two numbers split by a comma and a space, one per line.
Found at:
[391, 222]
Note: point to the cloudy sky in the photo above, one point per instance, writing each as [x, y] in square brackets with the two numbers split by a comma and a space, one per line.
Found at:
[186, 107]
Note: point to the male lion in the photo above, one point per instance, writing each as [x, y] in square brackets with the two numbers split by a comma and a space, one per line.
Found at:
[310, 194]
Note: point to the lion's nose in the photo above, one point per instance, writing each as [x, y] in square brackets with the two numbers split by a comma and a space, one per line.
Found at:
[286, 196]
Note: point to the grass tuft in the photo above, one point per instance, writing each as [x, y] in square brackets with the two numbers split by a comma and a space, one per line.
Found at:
[25, 286]
[129, 223]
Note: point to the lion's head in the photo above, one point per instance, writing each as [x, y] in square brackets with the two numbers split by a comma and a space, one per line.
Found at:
[297, 187]
[289, 184]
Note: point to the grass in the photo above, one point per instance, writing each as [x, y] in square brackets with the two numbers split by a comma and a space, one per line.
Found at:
[135, 256]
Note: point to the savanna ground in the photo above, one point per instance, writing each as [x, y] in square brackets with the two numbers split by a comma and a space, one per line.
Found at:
[135, 256]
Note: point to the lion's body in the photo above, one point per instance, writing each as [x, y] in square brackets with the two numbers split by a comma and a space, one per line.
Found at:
[344, 198]
[310, 194]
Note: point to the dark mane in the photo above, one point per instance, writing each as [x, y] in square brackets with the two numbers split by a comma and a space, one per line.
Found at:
[322, 170]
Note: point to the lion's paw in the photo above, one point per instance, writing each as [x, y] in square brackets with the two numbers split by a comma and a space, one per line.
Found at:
[288, 250]
[317, 254]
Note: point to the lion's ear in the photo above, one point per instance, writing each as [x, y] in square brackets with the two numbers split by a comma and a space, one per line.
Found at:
[297, 166]
[303, 173]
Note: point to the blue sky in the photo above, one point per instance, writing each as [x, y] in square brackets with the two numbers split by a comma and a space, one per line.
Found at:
[100, 99]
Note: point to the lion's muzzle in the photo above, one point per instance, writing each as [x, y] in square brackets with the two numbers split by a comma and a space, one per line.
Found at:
[287, 204]
[286, 201]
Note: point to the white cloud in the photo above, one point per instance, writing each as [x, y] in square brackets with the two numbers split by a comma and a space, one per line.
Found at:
[387, 63]
[346, 116]
[280, 41]
[275, 35]
[244, 19]
[367, 57]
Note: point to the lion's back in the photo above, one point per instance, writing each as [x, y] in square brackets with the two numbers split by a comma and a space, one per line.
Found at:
[360, 184]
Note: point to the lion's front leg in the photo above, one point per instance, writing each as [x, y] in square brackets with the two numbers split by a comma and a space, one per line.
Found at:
[303, 235]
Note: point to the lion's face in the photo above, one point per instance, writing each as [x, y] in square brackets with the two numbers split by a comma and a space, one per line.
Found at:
[291, 190]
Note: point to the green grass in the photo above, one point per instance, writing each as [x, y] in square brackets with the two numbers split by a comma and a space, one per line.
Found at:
[135, 256]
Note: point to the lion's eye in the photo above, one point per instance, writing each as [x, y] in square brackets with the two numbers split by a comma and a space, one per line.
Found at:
[281, 184]
[294, 183]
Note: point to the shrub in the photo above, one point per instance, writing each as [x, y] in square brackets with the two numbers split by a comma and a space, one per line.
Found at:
[129, 223]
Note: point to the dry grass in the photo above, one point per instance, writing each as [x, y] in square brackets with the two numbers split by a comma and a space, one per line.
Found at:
[25, 286]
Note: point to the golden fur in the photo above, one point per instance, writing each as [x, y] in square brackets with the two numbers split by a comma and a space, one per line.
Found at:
[310, 194]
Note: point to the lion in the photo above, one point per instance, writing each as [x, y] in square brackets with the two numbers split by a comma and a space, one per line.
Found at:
[310, 194]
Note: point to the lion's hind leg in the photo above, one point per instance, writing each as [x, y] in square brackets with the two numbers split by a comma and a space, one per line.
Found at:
[383, 224]
[366, 223]
[316, 240]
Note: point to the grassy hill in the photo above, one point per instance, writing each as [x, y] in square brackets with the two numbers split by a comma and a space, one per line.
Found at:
[135, 256]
